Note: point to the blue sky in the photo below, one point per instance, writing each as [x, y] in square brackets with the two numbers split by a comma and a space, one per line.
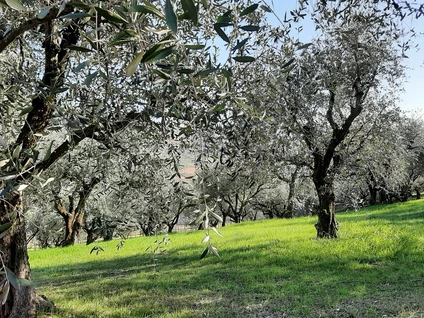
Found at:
[413, 97]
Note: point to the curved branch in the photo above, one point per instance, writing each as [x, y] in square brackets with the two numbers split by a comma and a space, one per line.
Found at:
[30, 24]
[94, 132]
[56, 59]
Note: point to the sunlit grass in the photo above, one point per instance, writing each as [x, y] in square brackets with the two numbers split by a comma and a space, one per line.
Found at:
[270, 268]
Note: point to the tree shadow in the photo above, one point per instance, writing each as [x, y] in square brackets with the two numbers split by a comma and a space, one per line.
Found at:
[396, 212]
[269, 280]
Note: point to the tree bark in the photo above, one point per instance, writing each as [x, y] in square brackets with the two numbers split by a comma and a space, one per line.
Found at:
[93, 230]
[290, 198]
[23, 301]
[327, 225]
[73, 228]
[108, 234]
[20, 29]
[224, 219]
[327, 162]
[373, 194]
[13, 246]
[74, 216]
[322, 178]
[372, 188]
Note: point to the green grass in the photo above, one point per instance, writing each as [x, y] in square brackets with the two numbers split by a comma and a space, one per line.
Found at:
[270, 268]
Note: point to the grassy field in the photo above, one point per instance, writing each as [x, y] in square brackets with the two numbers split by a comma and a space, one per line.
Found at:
[270, 268]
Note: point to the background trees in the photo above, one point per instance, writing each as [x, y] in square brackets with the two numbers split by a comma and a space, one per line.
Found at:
[62, 41]
[85, 72]
[413, 134]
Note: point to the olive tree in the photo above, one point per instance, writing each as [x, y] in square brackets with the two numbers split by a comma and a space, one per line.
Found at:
[323, 92]
[64, 49]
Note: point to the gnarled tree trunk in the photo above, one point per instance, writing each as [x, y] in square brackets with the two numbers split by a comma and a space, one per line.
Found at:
[372, 188]
[20, 302]
[327, 225]
[323, 177]
[74, 216]
[23, 301]
[292, 190]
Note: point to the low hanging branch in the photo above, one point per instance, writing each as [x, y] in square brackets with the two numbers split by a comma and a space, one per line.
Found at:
[94, 132]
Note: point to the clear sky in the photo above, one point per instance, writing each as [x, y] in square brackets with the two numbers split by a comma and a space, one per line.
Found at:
[413, 96]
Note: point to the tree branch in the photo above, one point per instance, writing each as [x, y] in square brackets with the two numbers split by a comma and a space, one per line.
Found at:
[87, 132]
[330, 111]
[56, 59]
[60, 208]
[30, 24]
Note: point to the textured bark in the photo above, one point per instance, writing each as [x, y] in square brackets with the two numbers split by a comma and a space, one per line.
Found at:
[327, 161]
[292, 189]
[108, 234]
[20, 302]
[56, 57]
[23, 302]
[373, 194]
[93, 229]
[323, 177]
[17, 31]
[327, 225]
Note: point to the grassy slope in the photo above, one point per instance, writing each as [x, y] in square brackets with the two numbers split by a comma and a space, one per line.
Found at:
[270, 268]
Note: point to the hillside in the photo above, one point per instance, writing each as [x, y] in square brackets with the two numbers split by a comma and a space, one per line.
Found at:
[270, 268]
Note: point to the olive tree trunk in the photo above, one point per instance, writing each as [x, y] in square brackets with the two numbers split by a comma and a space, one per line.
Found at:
[327, 161]
[74, 215]
[327, 225]
[23, 301]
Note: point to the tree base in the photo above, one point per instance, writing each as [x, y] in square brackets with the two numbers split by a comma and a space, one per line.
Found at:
[42, 304]
[327, 225]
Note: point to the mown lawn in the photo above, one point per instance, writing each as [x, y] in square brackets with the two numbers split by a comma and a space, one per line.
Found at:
[270, 268]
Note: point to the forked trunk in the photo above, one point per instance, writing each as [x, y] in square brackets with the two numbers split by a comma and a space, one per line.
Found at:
[327, 225]
[21, 302]
[73, 228]
[74, 215]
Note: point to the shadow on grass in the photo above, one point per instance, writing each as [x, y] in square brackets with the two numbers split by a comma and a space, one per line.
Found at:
[375, 270]
[396, 212]
[270, 280]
